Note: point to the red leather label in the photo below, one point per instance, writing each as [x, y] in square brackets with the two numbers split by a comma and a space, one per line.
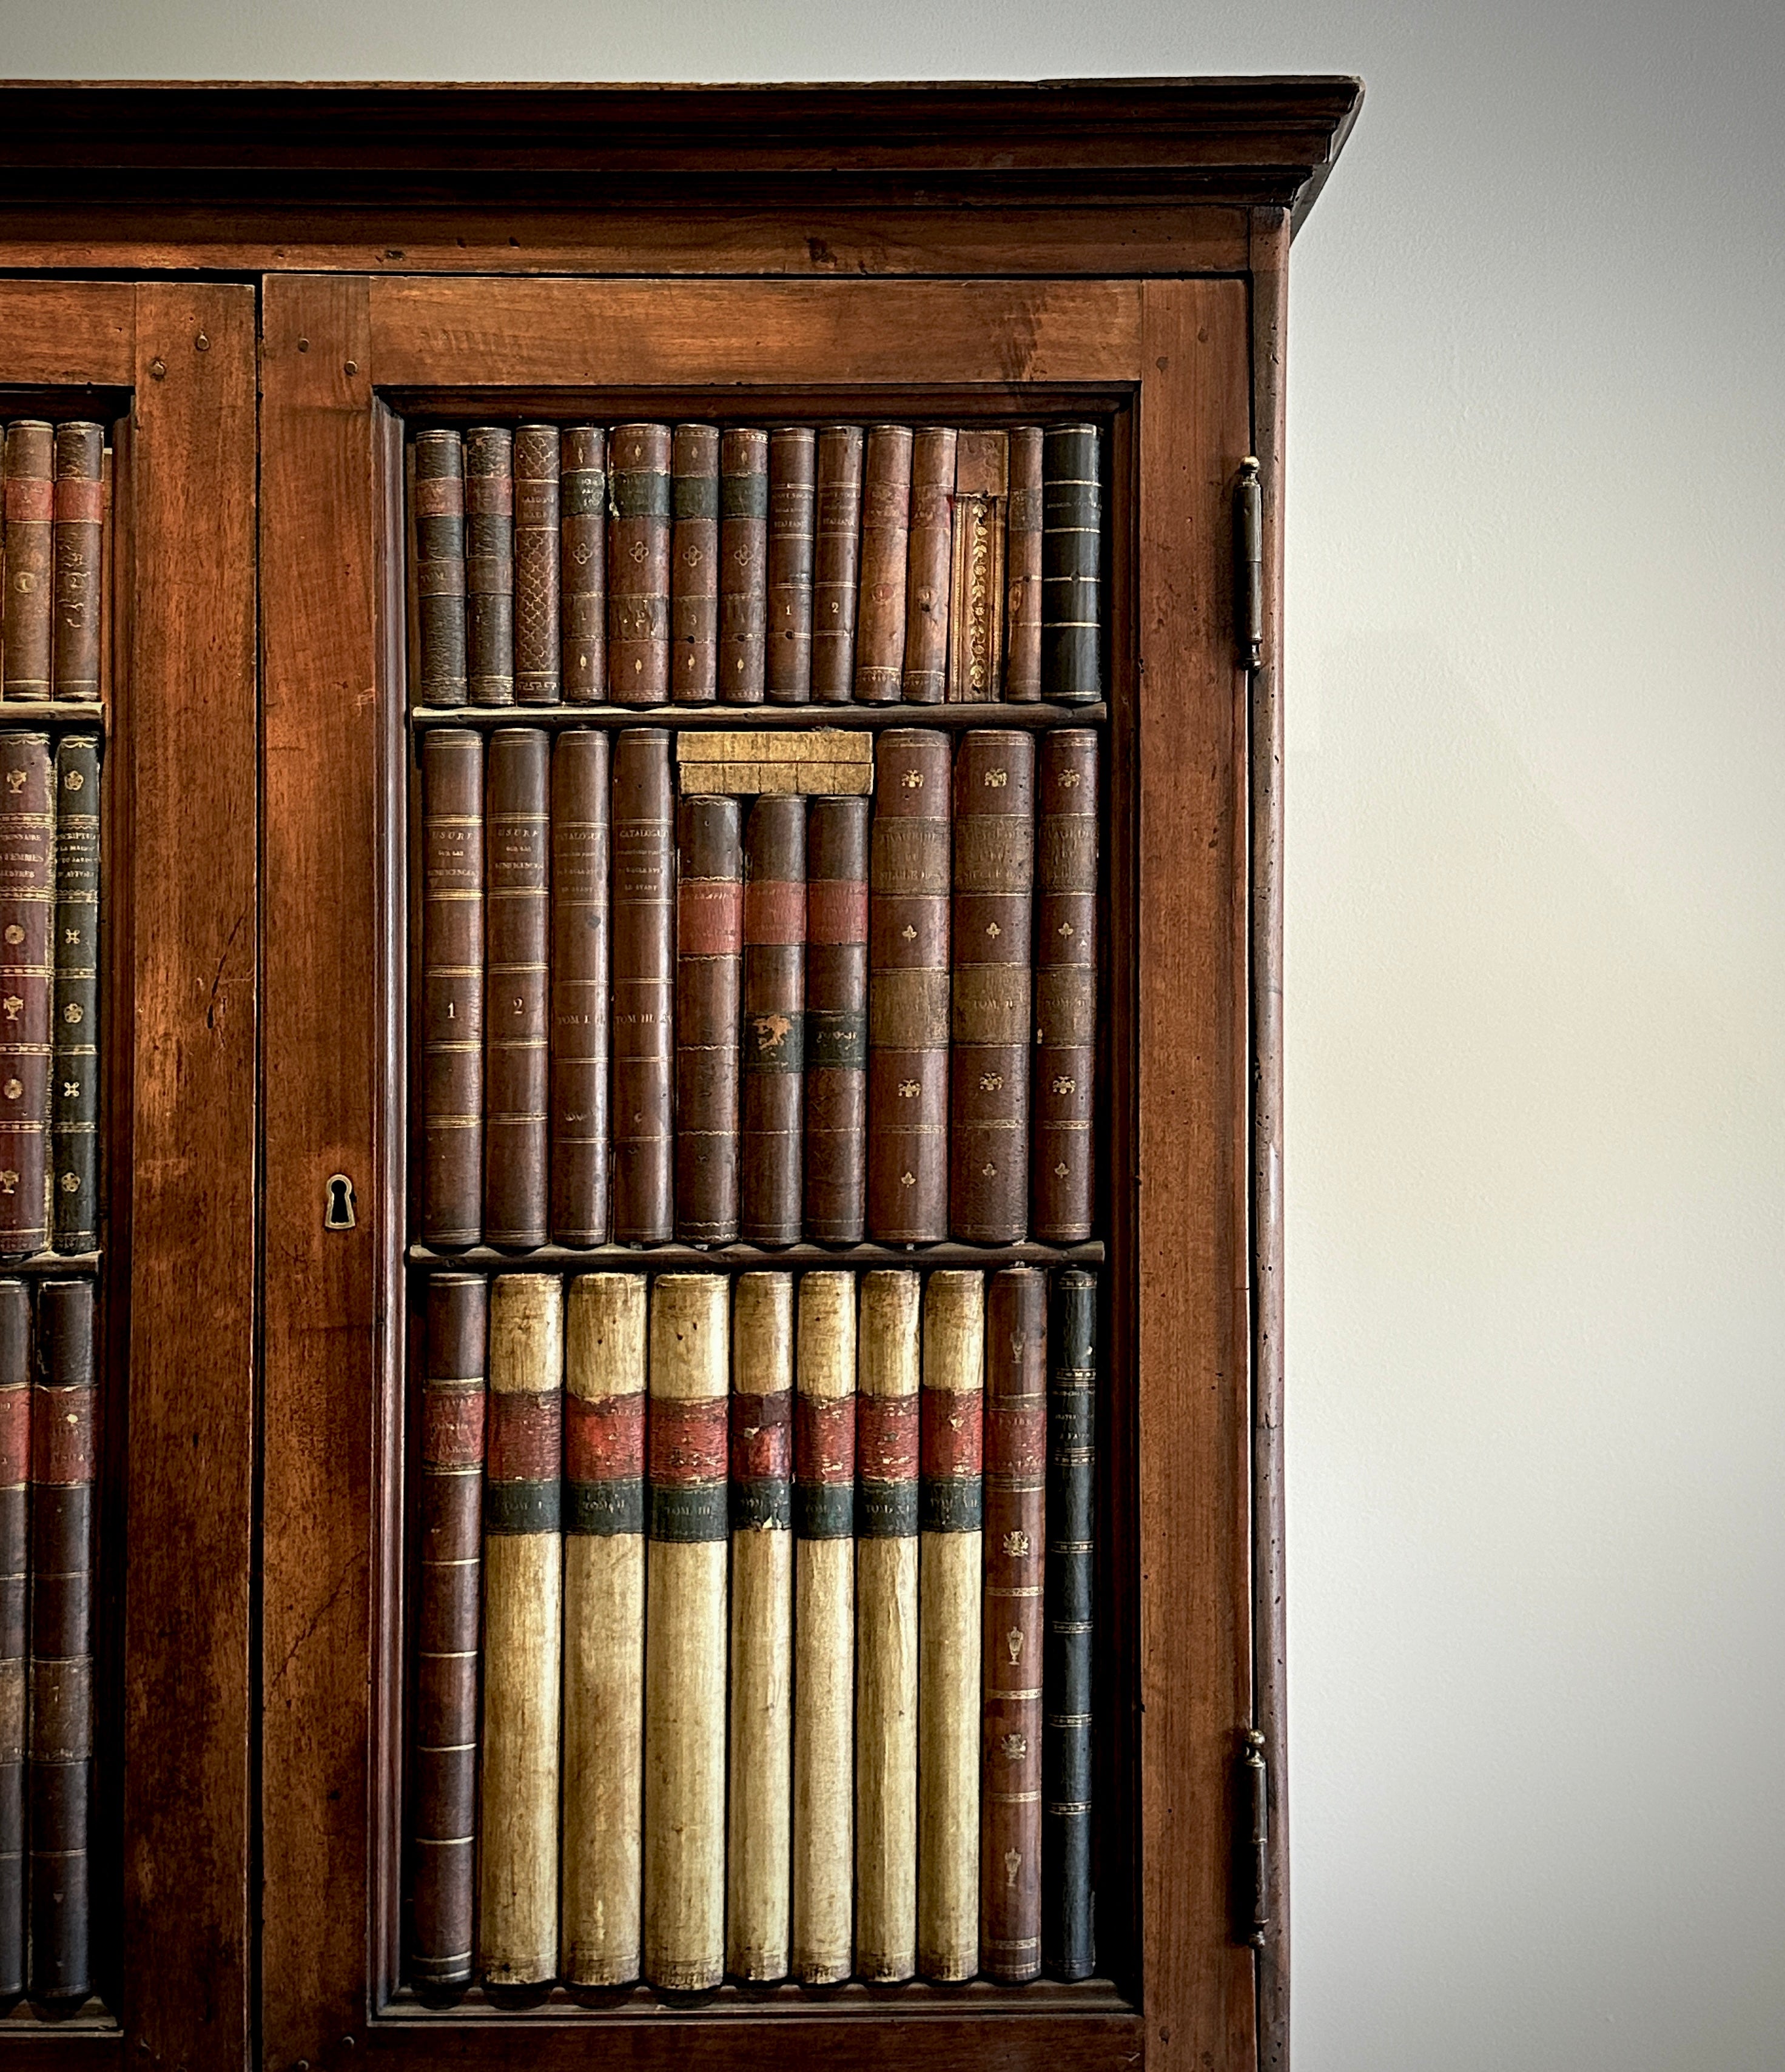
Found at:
[687, 1439]
[452, 1425]
[604, 1438]
[885, 1433]
[761, 1436]
[953, 1420]
[709, 914]
[824, 1437]
[62, 1436]
[775, 910]
[526, 1436]
[836, 911]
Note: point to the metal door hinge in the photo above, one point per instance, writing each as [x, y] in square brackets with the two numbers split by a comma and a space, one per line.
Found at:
[1248, 564]
[1251, 1840]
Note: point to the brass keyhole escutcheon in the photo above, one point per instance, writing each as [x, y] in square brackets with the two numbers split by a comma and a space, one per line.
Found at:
[338, 1208]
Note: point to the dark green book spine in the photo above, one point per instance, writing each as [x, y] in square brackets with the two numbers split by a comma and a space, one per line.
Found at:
[1067, 1950]
[1072, 539]
[74, 1087]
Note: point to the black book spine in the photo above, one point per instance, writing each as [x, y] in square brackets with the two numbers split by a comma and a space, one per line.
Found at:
[74, 1087]
[1071, 536]
[1067, 1951]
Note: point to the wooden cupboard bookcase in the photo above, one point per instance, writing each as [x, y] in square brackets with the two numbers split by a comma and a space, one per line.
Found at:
[262, 287]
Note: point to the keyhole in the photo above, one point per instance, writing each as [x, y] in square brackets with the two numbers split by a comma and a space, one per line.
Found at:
[339, 1214]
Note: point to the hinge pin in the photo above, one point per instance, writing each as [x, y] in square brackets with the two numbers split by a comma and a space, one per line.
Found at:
[1255, 1839]
[1248, 563]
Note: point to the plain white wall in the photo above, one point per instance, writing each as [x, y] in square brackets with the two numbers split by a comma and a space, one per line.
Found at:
[1537, 960]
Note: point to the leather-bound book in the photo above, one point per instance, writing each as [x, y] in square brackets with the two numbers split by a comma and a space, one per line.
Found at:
[15, 1433]
[709, 909]
[26, 639]
[443, 1741]
[538, 680]
[489, 566]
[824, 1629]
[523, 1632]
[1067, 1951]
[582, 504]
[886, 532]
[580, 803]
[975, 585]
[837, 1020]
[77, 548]
[931, 548]
[888, 1370]
[1066, 986]
[685, 1627]
[61, 1766]
[27, 911]
[770, 1138]
[694, 565]
[517, 1044]
[643, 956]
[908, 989]
[743, 565]
[74, 1085]
[1016, 1461]
[836, 564]
[1023, 568]
[638, 565]
[950, 1509]
[1072, 539]
[437, 503]
[758, 1855]
[604, 1392]
[452, 987]
[793, 497]
[988, 1071]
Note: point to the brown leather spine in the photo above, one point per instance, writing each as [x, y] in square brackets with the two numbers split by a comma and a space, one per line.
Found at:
[580, 798]
[30, 513]
[15, 1424]
[931, 550]
[436, 499]
[837, 1020]
[694, 570]
[710, 894]
[444, 1736]
[80, 532]
[792, 496]
[582, 504]
[771, 1142]
[1023, 568]
[975, 585]
[1066, 986]
[836, 564]
[489, 566]
[452, 987]
[988, 1073]
[743, 564]
[516, 1045]
[886, 527]
[74, 1021]
[537, 679]
[27, 907]
[64, 1452]
[908, 989]
[643, 955]
[1016, 1466]
[638, 565]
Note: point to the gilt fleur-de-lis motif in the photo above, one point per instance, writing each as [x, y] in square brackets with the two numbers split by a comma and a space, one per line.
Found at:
[1014, 1747]
[1016, 1544]
[1063, 1085]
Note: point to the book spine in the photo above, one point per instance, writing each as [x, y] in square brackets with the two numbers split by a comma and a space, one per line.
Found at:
[583, 499]
[516, 1042]
[994, 849]
[908, 989]
[538, 679]
[886, 532]
[1022, 570]
[437, 507]
[792, 496]
[443, 1750]
[1066, 985]
[837, 1020]
[685, 1721]
[523, 1632]
[1072, 537]
[1067, 1951]
[25, 639]
[27, 912]
[1016, 1461]
[774, 1019]
[976, 583]
[63, 1456]
[836, 565]
[758, 1866]
[824, 1629]
[489, 566]
[15, 1449]
[74, 1099]
[929, 549]
[694, 565]
[950, 1505]
[638, 563]
[886, 1628]
[710, 902]
[77, 548]
[643, 951]
[743, 565]
[603, 1822]
[580, 800]
[452, 986]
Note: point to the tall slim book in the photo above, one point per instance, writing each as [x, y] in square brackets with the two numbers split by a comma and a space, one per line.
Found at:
[1068, 1951]
[437, 500]
[885, 535]
[638, 564]
[836, 563]
[15, 1449]
[581, 800]
[643, 977]
[694, 565]
[452, 987]
[710, 902]
[1023, 568]
[74, 1083]
[930, 550]
[489, 566]
[743, 564]
[1072, 537]
[26, 640]
[538, 678]
[976, 584]
[27, 911]
[516, 1040]
[1066, 986]
[77, 548]
[582, 561]
[837, 1020]
[771, 1133]
[793, 497]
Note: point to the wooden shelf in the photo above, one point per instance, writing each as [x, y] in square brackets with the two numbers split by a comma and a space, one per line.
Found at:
[1036, 717]
[916, 1999]
[747, 1258]
[54, 712]
[46, 1264]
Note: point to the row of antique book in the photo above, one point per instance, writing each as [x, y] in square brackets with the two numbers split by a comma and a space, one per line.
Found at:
[830, 563]
[54, 485]
[768, 1018]
[753, 1629]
